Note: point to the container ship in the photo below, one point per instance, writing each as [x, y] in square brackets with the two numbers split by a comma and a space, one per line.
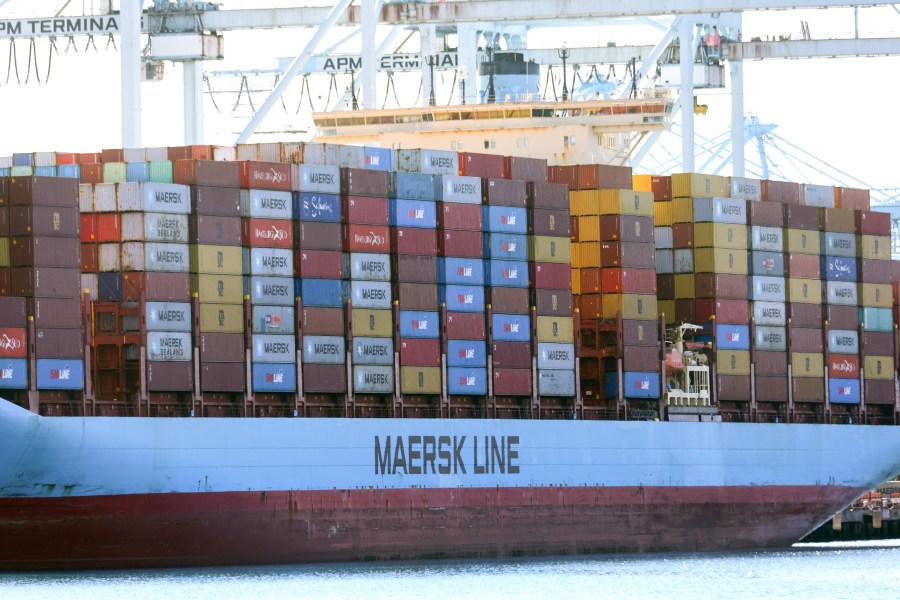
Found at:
[308, 352]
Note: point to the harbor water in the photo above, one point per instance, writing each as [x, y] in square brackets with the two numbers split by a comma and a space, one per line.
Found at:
[830, 570]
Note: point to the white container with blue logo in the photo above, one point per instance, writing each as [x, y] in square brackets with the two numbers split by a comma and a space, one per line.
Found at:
[319, 178]
[270, 290]
[843, 341]
[373, 379]
[370, 294]
[266, 204]
[324, 349]
[556, 382]
[370, 267]
[268, 348]
[556, 356]
[274, 262]
[770, 338]
[169, 346]
[168, 316]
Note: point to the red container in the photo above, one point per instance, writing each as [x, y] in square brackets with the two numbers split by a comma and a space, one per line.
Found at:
[111, 155]
[844, 366]
[319, 264]
[590, 280]
[590, 306]
[798, 216]
[765, 214]
[550, 276]
[804, 315]
[733, 387]
[187, 152]
[511, 355]
[683, 235]
[592, 177]
[322, 321]
[627, 228]
[842, 317]
[413, 240]
[627, 281]
[640, 333]
[222, 347]
[86, 158]
[91, 173]
[552, 303]
[324, 379]
[364, 182]
[877, 343]
[412, 268]
[641, 255]
[873, 223]
[665, 287]
[461, 244]
[525, 169]
[267, 233]
[45, 282]
[549, 222]
[317, 236]
[170, 376]
[214, 230]
[514, 301]
[171, 287]
[512, 382]
[66, 158]
[803, 266]
[735, 312]
[417, 296]
[661, 186]
[12, 342]
[420, 353]
[451, 215]
[838, 219]
[873, 270]
[368, 238]
[721, 285]
[573, 230]
[59, 343]
[475, 164]
[109, 227]
[878, 391]
[365, 210]
[219, 201]
[465, 326]
[808, 389]
[640, 358]
[45, 252]
[780, 191]
[12, 311]
[806, 339]
[770, 363]
[222, 377]
[504, 192]
[49, 221]
[259, 175]
[207, 172]
[553, 196]
[851, 198]
[55, 312]
[43, 191]
[771, 389]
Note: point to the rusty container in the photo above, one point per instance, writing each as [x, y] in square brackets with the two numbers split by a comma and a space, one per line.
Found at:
[364, 182]
[780, 191]
[628, 281]
[683, 235]
[207, 173]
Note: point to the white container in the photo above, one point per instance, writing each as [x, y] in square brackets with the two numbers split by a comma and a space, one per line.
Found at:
[105, 197]
[665, 262]
[323, 349]
[373, 351]
[843, 341]
[314, 153]
[817, 195]
[720, 210]
[168, 316]
[370, 267]
[109, 257]
[266, 204]
[461, 189]
[556, 382]
[318, 178]
[90, 285]
[351, 157]
[154, 197]
[45, 159]
[269, 151]
[770, 338]
[6, 162]
[769, 239]
[770, 313]
[556, 356]
[663, 236]
[275, 262]
[157, 153]
[274, 348]
[841, 292]
[839, 244]
[85, 197]
[746, 189]
[154, 227]
[247, 151]
[373, 379]
[436, 162]
[226, 153]
[172, 346]
[768, 289]
[370, 294]
[684, 260]
[155, 256]
[135, 154]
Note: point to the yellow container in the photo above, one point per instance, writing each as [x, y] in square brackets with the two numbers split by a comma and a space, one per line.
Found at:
[878, 367]
[576, 281]
[878, 295]
[218, 260]
[732, 362]
[551, 249]
[589, 228]
[586, 254]
[690, 185]
[875, 246]
[221, 318]
[683, 210]
[801, 241]
[720, 235]
[420, 380]
[640, 307]
[556, 329]
[666, 308]
[643, 183]
[808, 364]
[804, 291]
[626, 202]
[584, 202]
[4, 251]
[663, 213]
[369, 322]
[720, 260]
[685, 286]
[227, 289]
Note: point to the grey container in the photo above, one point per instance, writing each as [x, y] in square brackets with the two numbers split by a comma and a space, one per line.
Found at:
[269, 348]
[266, 204]
[770, 264]
[556, 356]
[556, 382]
[155, 256]
[154, 227]
[768, 239]
[270, 290]
[747, 189]
[323, 349]
[839, 244]
[370, 294]
[169, 346]
[769, 289]
[663, 237]
[770, 313]
[461, 189]
[273, 319]
[163, 197]
[843, 341]
[720, 210]
[370, 267]
[373, 379]
[275, 262]
[770, 338]
[684, 260]
[319, 178]
[841, 292]
[373, 351]
[436, 162]
[665, 262]
[168, 316]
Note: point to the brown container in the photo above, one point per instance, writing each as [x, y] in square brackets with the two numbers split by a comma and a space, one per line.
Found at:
[207, 172]
[843, 366]
[420, 353]
[765, 214]
[804, 315]
[683, 235]
[553, 196]
[4, 191]
[12, 311]
[513, 301]
[628, 254]
[808, 389]
[49, 221]
[317, 236]
[878, 391]
[873, 270]
[512, 382]
[590, 280]
[214, 230]
[803, 266]
[91, 173]
[59, 343]
[640, 358]
[41, 191]
[5, 281]
[365, 210]
[511, 355]
[627, 228]
[222, 377]
[640, 333]
[475, 164]
[222, 347]
[55, 312]
[770, 363]
[628, 281]
[802, 217]
[461, 244]
[503, 192]
[173, 287]
[4, 221]
[417, 296]
[413, 240]
[722, 286]
[842, 317]
[734, 312]
[806, 339]
[196, 152]
[322, 321]
[45, 282]
[556, 303]
[686, 311]
[364, 182]
[592, 177]
[465, 326]
[411, 268]
[216, 201]
[553, 276]
[111, 155]
[324, 379]
[733, 387]
[877, 343]
[258, 175]
[590, 306]
[771, 389]
[163, 376]
[873, 223]
[549, 222]
[838, 219]
[780, 191]
[525, 169]
[851, 198]
[665, 287]
[320, 264]
[451, 215]
[46, 252]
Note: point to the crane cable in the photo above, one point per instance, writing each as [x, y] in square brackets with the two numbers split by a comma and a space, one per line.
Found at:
[212, 96]
[13, 62]
[452, 88]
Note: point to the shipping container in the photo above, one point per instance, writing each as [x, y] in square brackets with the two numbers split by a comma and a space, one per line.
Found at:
[506, 273]
[49, 221]
[770, 338]
[420, 380]
[464, 271]
[627, 254]
[466, 353]
[878, 391]
[227, 289]
[265, 175]
[556, 382]
[549, 302]
[373, 351]
[631, 306]
[221, 318]
[732, 362]
[419, 324]
[507, 246]
[720, 210]
[274, 378]
[370, 294]
[320, 264]
[330, 321]
[768, 313]
[413, 213]
[273, 319]
[876, 319]
[414, 186]
[517, 328]
[807, 364]
[439, 162]
[744, 188]
[549, 222]
[267, 233]
[366, 210]
[319, 178]
[878, 367]
[43, 251]
[482, 165]
[843, 391]
[802, 241]
[316, 207]
[222, 347]
[462, 244]
[323, 292]
[841, 292]
[459, 298]
[874, 271]
[660, 185]
[317, 349]
[13, 373]
[698, 184]
[59, 374]
[169, 346]
[768, 289]
[505, 219]
[715, 285]
[420, 352]
[512, 381]
[373, 379]
[627, 280]
[372, 322]
[770, 364]
[412, 240]
[552, 196]
[415, 268]
[723, 311]
[459, 216]
[770, 264]
[168, 316]
[503, 192]
[525, 169]
[770, 239]
[12, 311]
[461, 189]
[635, 384]
[45, 282]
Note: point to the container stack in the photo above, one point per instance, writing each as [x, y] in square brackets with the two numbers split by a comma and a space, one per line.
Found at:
[661, 188]
[4, 236]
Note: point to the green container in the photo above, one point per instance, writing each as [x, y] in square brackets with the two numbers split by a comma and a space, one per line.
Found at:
[21, 172]
[161, 171]
[876, 319]
[113, 172]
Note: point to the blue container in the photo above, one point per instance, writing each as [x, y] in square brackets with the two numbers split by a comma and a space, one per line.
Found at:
[511, 328]
[843, 391]
[377, 159]
[23, 159]
[137, 171]
[466, 353]
[313, 206]
[414, 186]
[60, 373]
[323, 292]
[413, 213]
[506, 246]
[274, 378]
[71, 171]
[13, 373]
[463, 271]
[5, 171]
[505, 219]
[463, 298]
[109, 287]
[467, 381]
[638, 384]
[732, 337]
[839, 268]
[47, 171]
[507, 273]
[419, 324]
[876, 319]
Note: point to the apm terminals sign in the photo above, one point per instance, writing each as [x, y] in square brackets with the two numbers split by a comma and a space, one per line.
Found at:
[388, 62]
[92, 25]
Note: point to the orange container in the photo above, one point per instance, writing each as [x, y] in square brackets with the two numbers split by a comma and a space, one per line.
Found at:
[89, 227]
[109, 227]
[92, 173]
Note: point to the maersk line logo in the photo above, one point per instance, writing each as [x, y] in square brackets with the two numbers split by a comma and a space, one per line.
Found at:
[424, 454]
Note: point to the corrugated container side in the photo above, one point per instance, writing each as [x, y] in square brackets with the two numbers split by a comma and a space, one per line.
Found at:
[420, 380]
[420, 352]
[466, 353]
[373, 351]
[321, 349]
[373, 379]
